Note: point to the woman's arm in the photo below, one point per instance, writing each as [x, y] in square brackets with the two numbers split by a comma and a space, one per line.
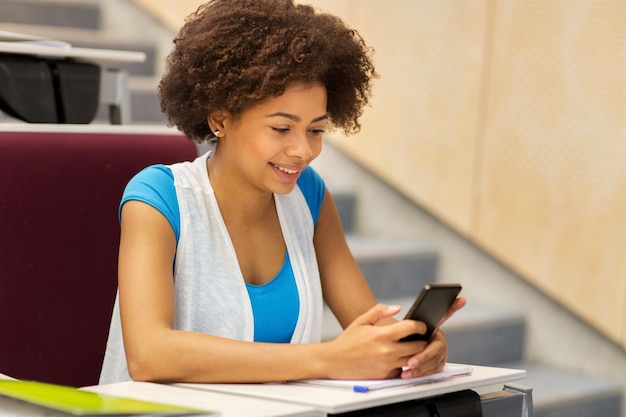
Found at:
[348, 295]
[157, 352]
[345, 289]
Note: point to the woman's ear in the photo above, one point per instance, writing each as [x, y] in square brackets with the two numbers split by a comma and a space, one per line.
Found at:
[216, 121]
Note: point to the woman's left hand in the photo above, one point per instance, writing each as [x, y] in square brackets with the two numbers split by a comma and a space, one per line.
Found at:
[430, 360]
[434, 356]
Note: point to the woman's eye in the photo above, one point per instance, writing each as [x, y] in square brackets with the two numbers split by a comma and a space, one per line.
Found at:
[280, 129]
[317, 132]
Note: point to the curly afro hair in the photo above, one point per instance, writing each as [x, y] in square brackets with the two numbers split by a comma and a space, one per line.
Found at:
[233, 54]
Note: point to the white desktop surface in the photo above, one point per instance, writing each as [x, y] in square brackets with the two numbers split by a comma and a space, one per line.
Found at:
[334, 400]
[72, 52]
[227, 405]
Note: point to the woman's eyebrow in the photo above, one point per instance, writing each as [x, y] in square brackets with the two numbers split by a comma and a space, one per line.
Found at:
[295, 118]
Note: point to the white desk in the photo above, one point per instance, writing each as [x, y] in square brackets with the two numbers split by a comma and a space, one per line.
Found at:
[100, 55]
[286, 400]
[332, 400]
[227, 405]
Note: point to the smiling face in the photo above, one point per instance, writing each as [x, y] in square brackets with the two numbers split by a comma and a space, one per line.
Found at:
[269, 145]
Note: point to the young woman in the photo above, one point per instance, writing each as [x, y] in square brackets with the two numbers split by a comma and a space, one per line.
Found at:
[225, 262]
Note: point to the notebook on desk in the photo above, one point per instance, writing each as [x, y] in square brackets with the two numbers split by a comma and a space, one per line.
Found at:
[449, 371]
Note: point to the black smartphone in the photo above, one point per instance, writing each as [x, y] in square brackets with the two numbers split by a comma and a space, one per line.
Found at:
[430, 306]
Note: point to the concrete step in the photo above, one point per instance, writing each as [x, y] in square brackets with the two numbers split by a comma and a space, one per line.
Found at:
[146, 109]
[480, 335]
[467, 333]
[347, 205]
[345, 200]
[60, 13]
[559, 393]
[486, 336]
[394, 268]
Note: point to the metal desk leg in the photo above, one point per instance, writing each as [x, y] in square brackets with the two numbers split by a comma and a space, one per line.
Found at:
[114, 93]
[527, 393]
[512, 401]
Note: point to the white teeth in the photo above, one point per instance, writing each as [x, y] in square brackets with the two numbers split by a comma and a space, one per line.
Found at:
[287, 170]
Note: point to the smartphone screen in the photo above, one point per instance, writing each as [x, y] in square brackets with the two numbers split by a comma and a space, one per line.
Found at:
[430, 306]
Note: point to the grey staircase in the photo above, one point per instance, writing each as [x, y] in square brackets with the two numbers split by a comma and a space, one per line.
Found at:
[60, 14]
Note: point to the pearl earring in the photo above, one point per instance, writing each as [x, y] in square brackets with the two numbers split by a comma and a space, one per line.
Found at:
[217, 133]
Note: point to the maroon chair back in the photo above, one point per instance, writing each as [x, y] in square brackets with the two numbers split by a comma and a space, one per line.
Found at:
[59, 236]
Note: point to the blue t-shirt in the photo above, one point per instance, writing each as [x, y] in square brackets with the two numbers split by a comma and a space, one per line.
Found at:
[275, 305]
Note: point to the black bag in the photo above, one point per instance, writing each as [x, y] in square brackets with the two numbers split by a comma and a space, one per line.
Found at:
[455, 404]
[42, 90]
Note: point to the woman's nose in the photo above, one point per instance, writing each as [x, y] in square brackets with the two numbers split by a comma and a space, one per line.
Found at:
[300, 147]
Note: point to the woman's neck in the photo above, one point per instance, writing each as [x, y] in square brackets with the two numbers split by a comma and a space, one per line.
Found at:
[237, 198]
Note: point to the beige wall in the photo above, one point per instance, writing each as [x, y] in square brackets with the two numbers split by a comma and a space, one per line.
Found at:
[552, 196]
[506, 119]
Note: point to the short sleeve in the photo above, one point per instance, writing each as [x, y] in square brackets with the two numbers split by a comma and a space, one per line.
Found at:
[154, 185]
[313, 188]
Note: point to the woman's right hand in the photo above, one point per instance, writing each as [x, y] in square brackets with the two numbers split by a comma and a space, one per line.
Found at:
[367, 351]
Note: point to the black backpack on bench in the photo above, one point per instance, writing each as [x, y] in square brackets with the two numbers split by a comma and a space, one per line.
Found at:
[46, 90]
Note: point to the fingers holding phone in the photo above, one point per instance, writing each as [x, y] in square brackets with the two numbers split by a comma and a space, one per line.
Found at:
[435, 304]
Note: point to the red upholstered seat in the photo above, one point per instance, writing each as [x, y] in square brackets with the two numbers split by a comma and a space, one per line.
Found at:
[59, 236]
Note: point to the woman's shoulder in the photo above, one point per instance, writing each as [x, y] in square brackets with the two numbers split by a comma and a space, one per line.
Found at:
[154, 185]
[153, 174]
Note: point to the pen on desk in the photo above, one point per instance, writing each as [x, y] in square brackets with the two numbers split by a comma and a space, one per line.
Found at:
[360, 388]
